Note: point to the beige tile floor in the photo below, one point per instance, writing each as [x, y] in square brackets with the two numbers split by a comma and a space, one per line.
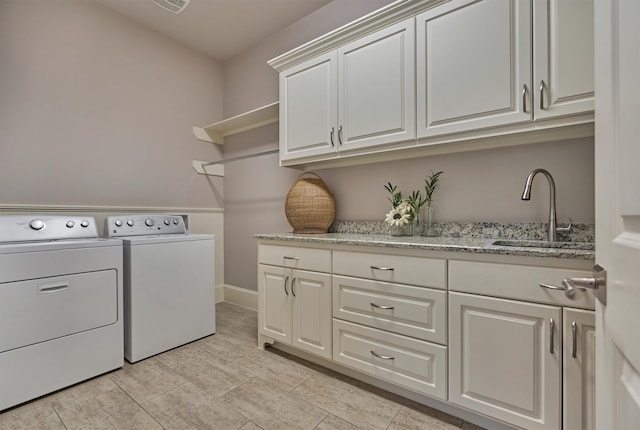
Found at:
[225, 382]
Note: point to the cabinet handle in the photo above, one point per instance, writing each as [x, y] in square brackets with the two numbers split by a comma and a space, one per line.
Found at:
[331, 136]
[293, 281]
[382, 307]
[340, 135]
[551, 336]
[285, 285]
[574, 334]
[291, 258]
[381, 268]
[541, 95]
[382, 357]
[524, 98]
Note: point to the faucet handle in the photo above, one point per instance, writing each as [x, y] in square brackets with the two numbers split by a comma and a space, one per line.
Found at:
[566, 229]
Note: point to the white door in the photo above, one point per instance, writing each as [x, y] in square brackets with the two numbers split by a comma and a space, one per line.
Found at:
[617, 36]
[473, 66]
[308, 112]
[274, 302]
[578, 363]
[505, 359]
[311, 315]
[562, 57]
[376, 88]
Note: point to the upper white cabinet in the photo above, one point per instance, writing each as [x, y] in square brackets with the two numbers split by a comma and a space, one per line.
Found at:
[421, 77]
[563, 62]
[360, 95]
[473, 65]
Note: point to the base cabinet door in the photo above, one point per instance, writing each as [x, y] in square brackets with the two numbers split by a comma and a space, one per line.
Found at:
[274, 302]
[311, 312]
[579, 358]
[505, 359]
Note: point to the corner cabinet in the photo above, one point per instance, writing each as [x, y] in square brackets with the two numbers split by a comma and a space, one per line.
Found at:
[360, 95]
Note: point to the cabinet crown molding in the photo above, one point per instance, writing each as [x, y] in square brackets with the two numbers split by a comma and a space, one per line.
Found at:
[376, 20]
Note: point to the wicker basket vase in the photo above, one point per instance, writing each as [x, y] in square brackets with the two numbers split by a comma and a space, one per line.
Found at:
[309, 206]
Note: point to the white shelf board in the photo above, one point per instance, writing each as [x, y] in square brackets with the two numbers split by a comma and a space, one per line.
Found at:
[216, 132]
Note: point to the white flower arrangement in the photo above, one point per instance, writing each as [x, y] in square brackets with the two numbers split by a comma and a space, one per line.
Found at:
[400, 215]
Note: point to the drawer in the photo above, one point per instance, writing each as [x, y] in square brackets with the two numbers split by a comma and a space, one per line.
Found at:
[39, 310]
[318, 260]
[517, 282]
[427, 272]
[413, 311]
[414, 364]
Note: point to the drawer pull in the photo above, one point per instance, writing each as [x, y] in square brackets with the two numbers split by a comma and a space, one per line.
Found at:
[285, 285]
[291, 258]
[381, 268]
[382, 306]
[293, 281]
[382, 357]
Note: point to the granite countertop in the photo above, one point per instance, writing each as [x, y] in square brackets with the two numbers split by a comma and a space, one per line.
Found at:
[478, 245]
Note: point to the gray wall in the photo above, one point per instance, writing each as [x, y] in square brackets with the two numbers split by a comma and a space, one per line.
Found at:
[97, 110]
[476, 186]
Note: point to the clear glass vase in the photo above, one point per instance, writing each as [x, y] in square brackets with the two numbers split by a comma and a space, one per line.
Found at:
[428, 228]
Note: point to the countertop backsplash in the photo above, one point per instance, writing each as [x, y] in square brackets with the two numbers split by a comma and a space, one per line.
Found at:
[487, 230]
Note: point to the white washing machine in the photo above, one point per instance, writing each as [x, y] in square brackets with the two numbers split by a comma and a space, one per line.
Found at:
[61, 305]
[169, 283]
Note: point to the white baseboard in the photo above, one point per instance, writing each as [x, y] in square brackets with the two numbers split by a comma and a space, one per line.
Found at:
[237, 296]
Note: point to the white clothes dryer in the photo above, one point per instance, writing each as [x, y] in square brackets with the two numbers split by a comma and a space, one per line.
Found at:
[169, 283]
[61, 309]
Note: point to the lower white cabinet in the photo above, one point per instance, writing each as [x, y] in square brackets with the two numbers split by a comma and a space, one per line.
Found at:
[495, 338]
[505, 359]
[294, 305]
[579, 369]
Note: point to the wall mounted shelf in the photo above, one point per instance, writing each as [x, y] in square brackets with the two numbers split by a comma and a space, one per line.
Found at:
[216, 132]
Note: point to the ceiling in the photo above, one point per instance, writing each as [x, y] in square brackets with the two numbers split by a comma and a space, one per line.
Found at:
[218, 28]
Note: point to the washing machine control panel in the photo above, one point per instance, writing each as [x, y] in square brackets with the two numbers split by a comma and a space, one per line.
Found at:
[35, 227]
[143, 225]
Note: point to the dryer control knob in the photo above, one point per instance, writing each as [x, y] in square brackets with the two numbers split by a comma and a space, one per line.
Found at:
[130, 222]
[37, 224]
[70, 224]
[166, 221]
[118, 223]
[148, 222]
[84, 223]
[176, 221]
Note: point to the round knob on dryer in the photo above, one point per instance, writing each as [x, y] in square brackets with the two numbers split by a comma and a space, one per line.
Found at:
[70, 224]
[84, 223]
[167, 221]
[130, 222]
[37, 224]
[176, 221]
[148, 222]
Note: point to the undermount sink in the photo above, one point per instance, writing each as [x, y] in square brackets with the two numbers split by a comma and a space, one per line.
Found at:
[586, 246]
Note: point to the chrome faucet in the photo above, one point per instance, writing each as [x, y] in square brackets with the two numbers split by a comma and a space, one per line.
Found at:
[552, 233]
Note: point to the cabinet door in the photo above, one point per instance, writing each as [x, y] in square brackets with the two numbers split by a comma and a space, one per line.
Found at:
[376, 88]
[308, 113]
[579, 358]
[505, 359]
[274, 302]
[563, 61]
[311, 295]
[473, 65]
